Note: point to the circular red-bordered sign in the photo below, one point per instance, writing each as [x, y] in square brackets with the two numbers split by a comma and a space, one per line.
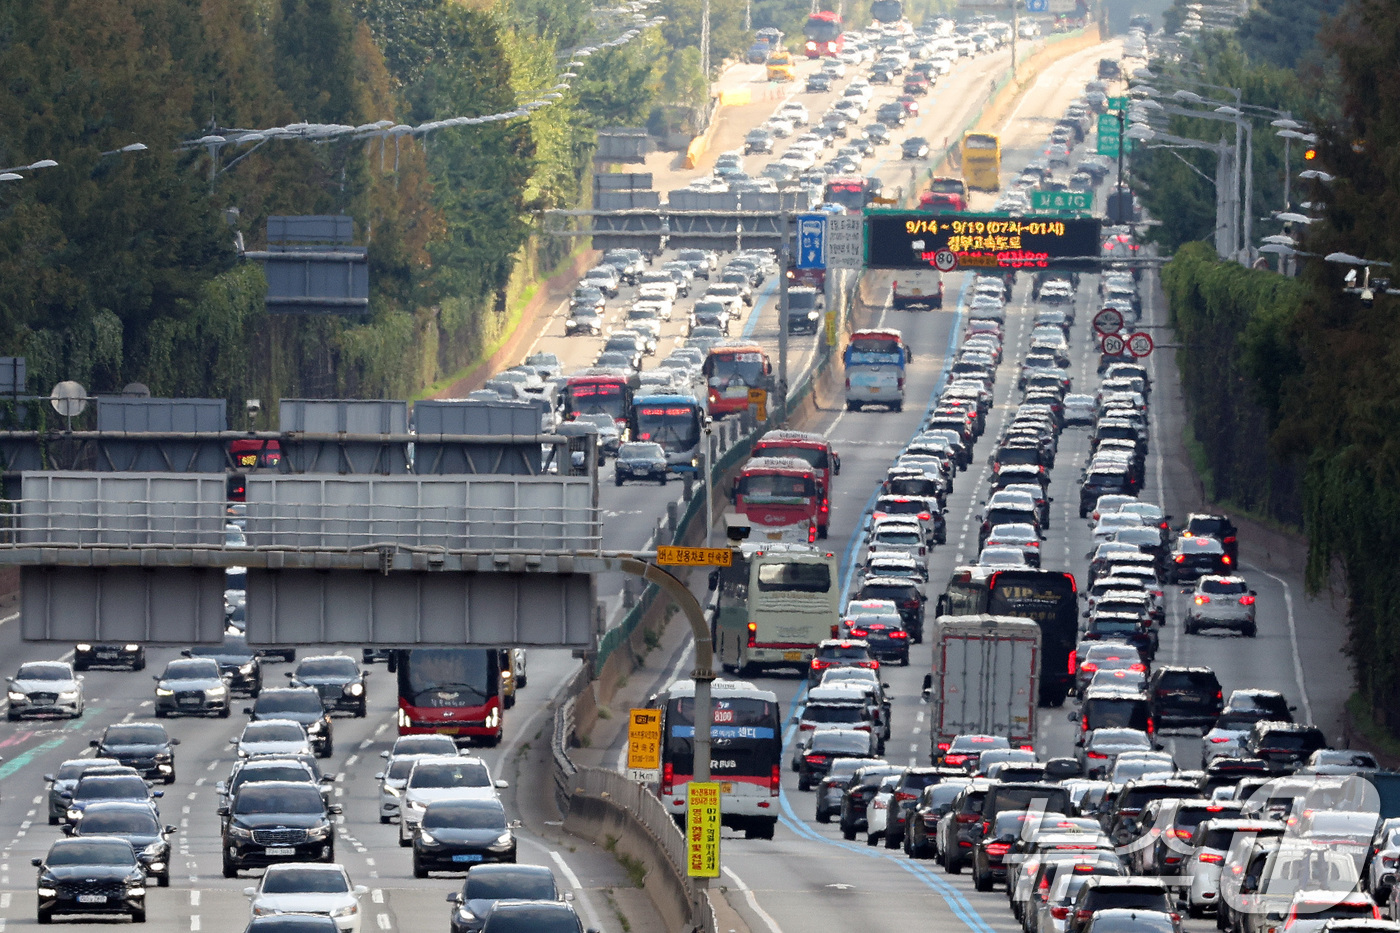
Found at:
[1140, 344]
[1113, 345]
[1108, 321]
[945, 260]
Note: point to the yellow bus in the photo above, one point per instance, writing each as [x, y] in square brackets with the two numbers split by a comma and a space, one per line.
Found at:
[780, 66]
[981, 161]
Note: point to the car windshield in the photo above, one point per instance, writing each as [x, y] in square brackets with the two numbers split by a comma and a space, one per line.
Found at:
[489, 815]
[136, 734]
[640, 451]
[44, 672]
[289, 701]
[234, 644]
[529, 886]
[450, 774]
[132, 821]
[1224, 586]
[193, 669]
[1130, 737]
[534, 918]
[271, 773]
[264, 798]
[833, 713]
[111, 787]
[858, 743]
[273, 732]
[94, 852]
[845, 652]
[1137, 921]
[305, 881]
[327, 667]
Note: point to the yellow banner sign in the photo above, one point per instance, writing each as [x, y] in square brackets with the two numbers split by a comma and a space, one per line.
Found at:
[702, 830]
[694, 556]
[644, 739]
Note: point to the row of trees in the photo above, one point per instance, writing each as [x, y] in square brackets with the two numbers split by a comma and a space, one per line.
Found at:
[1317, 365]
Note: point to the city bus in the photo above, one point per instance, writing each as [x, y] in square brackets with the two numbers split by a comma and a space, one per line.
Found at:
[1047, 597]
[779, 498]
[824, 34]
[850, 191]
[981, 161]
[874, 361]
[597, 392]
[451, 691]
[817, 452]
[673, 421]
[746, 746]
[773, 606]
[730, 372]
[944, 194]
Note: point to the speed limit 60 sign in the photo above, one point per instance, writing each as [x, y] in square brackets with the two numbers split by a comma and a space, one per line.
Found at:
[1113, 345]
[1140, 344]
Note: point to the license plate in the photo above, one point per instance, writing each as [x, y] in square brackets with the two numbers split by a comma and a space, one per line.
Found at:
[107, 655]
[792, 655]
[92, 898]
[189, 701]
[874, 389]
[281, 850]
[473, 857]
[726, 787]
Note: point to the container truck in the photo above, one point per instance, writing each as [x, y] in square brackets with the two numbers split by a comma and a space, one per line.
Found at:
[985, 680]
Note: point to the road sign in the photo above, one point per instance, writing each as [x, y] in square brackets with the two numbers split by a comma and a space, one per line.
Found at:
[694, 556]
[1118, 103]
[1108, 321]
[912, 240]
[758, 401]
[1037, 6]
[644, 745]
[831, 328]
[945, 260]
[702, 829]
[845, 241]
[1113, 345]
[1049, 201]
[1140, 344]
[811, 236]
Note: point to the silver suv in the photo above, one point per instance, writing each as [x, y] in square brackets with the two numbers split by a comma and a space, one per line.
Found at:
[1221, 602]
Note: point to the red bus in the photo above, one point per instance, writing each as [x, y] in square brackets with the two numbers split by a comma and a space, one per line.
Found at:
[730, 372]
[780, 498]
[451, 691]
[944, 194]
[824, 34]
[598, 392]
[255, 452]
[850, 191]
[813, 449]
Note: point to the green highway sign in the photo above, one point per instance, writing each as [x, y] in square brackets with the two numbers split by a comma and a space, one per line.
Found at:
[1066, 201]
[1109, 136]
[1118, 103]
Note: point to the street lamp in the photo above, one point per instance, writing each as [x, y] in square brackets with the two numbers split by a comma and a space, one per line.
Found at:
[1313, 174]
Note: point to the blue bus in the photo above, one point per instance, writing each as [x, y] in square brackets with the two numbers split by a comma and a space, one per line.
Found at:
[675, 422]
[875, 361]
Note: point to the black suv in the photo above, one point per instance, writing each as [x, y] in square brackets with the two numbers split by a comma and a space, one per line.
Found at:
[1200, 525]
[1102, 893]
[907, 791]
[276, 821]
[299, 704]
[145, 746]
[1286, 746]
[905, 594]
[961, 827]
[857, 794]
[236, 660]
[1102, 481]
[1184, 696]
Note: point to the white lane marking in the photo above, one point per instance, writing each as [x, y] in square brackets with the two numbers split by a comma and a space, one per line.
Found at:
[382, 920]
[194, 922]
[762, 914]
[366, 744]
[212, 765]
[377, 895]
[580, 895]
[194, 898]
[5, 900]
[350, 762]
[1293, 643]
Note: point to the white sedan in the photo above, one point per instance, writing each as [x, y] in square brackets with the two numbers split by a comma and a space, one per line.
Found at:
[305, 888]
[273, 737]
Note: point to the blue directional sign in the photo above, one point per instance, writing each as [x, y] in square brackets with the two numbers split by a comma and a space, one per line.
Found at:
[811, 241]
[1037, 6]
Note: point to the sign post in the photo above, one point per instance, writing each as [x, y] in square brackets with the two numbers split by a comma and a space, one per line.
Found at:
[758, 401]
[1062, 201]
[702, 821]
[1110, 136]
[644, 745]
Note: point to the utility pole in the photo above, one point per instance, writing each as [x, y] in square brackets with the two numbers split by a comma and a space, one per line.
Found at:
[705, 41]
[784, 260]
[1122, 144]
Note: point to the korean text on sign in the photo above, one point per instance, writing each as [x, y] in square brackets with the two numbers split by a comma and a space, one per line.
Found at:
[702, 829]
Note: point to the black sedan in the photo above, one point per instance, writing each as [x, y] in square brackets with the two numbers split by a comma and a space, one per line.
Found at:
[491, 883]
[1196, 557]
[138, 825]
[145, 746]
[87, 656]
[454, 835]
[640, 460]
[337, 679]
[302, 705]
[235, 659]
[91, 876]
[915, 147]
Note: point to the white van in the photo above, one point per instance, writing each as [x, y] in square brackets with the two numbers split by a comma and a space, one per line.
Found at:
[917, 287]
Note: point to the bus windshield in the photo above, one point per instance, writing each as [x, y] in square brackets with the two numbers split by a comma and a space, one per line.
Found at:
[849, 194]
[980, 141]
[948, 186]
[814, 456]
[794, 577]
[726, 369]
[822, 28]
[776, 488]
[598, 398]
[674, 427]
[445, 677]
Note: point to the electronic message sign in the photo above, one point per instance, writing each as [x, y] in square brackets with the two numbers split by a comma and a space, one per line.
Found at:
[912, 240]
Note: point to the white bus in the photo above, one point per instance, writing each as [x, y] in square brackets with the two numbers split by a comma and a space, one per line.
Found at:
[773, 606]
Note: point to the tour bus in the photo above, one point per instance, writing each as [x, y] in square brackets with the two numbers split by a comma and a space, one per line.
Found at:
[817, 452]
[673, 421]
[451, 691]
[730, 371]
[981, 161]
[746, 744]
[824, 34]
[1047, 597]
[779, 498]
[597, 392]
[874, 361]
[944, 194]
[773, 606]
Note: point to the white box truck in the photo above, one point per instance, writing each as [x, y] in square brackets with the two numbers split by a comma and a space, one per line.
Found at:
[918, 288]
[985, 680]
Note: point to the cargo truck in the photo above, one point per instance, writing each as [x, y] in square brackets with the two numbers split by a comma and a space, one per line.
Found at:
[985, 680]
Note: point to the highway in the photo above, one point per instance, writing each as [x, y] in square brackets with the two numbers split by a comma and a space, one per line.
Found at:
[808, 875]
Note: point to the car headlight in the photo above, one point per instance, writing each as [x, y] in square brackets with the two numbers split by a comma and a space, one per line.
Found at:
[391, 791]
[217, 691]
[48, 892]
[246, 668]
[314, 728]
[153, 849]
[164, 692]
[83, 647]
[466, 916]
[68, 695]
[355, 689]
[319, 832]
[74, 814]
[504, 839]
[239, 832]
[427, 838]
[260, 911]
[349, 910]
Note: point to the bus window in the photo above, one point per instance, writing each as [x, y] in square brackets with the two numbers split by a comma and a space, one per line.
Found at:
[795, 577]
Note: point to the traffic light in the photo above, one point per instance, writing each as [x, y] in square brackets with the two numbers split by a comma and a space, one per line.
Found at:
[1309, 154]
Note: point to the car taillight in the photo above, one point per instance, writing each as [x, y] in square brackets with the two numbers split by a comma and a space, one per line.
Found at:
[899, 383]
[826, 506]
[863, 728]
[1072, 660]
[1084, 724]
[986, 827]
[967, 818]
[848, 383]
[872, 665]
[775, 781]
[811, 534]
[806, 726]
[925, 516]
[943, 746]
[814, 759]
[998, 848]
[955, 759]
[1180, 558]
[1218, 739]
[818, 664]
[858, 633]
[1137, 667]
[1082, 914]
[1247, 600]
[909, 604]
[1059, 913]
[899, 634]
[668, 777]
[1094, 755]
[904, 795]
[1182, 833]
[753, 633]
[1225, 558]
[1202, 600]
[1089, 666]
[1210, 858]
[1229, 539]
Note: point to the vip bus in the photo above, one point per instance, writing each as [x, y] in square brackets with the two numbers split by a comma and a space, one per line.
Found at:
[981, 161]
[824, 34]
[597, 392]
[850, 191]
[773, 606]
[674, 422]
[1047, 597]
[730, 372]
[746, 743]
[451, 691]
[874, 361]
[817, 452]
[780, 498]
